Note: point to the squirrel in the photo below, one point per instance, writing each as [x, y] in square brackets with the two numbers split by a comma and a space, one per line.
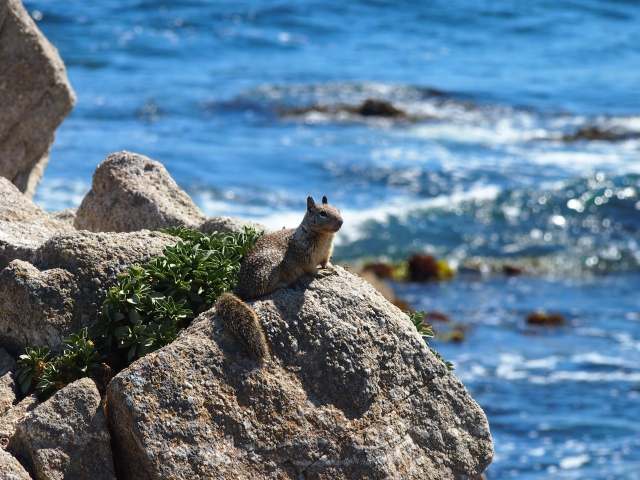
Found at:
[277, 260]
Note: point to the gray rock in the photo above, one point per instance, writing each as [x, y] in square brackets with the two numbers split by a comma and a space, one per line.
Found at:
[351, 391]
[9, 421]
[68, 215]
[224, 224]
[10, 468]
[61, 292]
[35, 97]
[132, 192]
[24, 226]
[7, 392]
[7, 363]
[67, 437]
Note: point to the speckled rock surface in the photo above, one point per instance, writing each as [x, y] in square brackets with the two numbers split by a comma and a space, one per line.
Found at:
[35, 97]
[10, 468]
[67, 436]
[224, 224]
[7, 392]
[68, 216]
[10, 420]
[63, 289]
[351, 391]
[24, 226]
[132, 192]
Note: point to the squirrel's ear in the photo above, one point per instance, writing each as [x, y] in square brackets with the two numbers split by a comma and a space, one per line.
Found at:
[324, 200]
[310, 203]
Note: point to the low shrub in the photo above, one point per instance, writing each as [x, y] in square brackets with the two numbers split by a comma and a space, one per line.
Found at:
[146, 310]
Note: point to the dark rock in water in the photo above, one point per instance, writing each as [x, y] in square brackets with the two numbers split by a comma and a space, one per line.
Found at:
[511, 271]
[369, 108]
[382, 270]
[378, 108]
[436, 317]
[545, 319]
[595, 133]
[35, 97]
[426, 268]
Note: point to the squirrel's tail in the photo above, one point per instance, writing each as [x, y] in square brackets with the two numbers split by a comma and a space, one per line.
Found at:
[243, 323]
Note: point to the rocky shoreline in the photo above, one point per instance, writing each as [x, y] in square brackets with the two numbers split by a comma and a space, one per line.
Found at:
[351, 390]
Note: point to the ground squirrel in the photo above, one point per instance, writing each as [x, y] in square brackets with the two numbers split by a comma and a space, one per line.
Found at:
[278, 259]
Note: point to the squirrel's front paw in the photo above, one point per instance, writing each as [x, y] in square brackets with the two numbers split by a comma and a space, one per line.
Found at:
[326, 271]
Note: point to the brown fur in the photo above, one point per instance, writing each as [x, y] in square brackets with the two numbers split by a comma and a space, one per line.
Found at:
[278, 259]
[243, 322]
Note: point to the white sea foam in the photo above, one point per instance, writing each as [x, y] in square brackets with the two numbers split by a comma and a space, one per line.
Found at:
[595, 358]
[59, 194]
[399, 207]
[574, 462]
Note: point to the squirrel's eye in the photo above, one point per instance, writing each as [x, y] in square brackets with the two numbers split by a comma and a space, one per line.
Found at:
[323, 214]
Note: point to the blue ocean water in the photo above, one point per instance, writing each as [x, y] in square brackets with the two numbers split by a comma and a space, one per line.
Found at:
[251, 107]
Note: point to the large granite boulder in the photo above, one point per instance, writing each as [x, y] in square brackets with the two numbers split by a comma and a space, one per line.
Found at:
[24, 226]
[67, 436]
[132, 192]
[63, 289]
[351, 391]
[35, 97]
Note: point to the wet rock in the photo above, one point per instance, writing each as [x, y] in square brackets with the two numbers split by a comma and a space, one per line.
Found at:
[10, 468]
[10, 419]
[43, 302]
[67, 437]
[433, 316]
[512, 271]
[351, 391]
[545, 319]
[369, 108]
[224, 224]
[24, 226]
[595, 133]
[379, 108]
[382, 270]
[35, 97]
[131, 192]
[425, 268]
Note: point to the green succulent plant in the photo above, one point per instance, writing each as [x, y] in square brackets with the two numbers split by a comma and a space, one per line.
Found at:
[417, 318]
[79, 359]
[31, 365]
[147, 309]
